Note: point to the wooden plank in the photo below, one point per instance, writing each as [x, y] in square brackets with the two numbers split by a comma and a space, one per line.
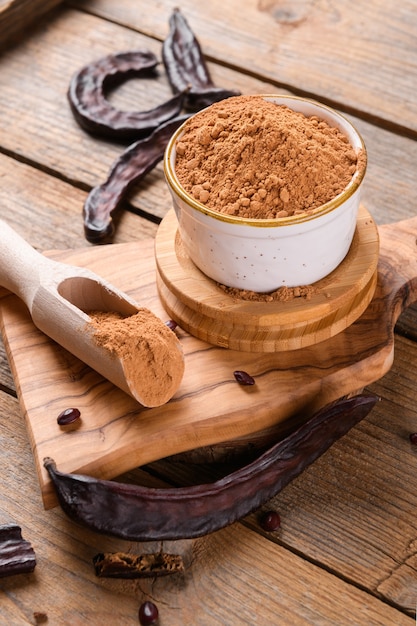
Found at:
[358, 499]
[34, 98]
[26, 192]
[359, 56]
[378, 462]
[235, 577]
[353, 510]
[17, 17]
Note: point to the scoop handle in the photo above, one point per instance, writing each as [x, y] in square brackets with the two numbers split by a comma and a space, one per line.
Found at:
[21, 266]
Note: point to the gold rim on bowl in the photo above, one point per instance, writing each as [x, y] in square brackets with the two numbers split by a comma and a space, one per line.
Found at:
[327, 207]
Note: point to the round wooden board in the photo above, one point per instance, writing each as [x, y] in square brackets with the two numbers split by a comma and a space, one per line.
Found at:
[201, 307]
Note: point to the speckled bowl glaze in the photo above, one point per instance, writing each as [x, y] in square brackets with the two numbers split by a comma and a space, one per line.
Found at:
[264, 254]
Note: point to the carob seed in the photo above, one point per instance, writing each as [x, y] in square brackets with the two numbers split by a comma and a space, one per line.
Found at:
[270, 521]
[148, 613]
[243, 378]
[171, 324]
[69, 416]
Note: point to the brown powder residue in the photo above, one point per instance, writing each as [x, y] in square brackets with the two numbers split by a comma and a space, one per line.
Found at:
[283, 294]
[248, 157]
[152, 358]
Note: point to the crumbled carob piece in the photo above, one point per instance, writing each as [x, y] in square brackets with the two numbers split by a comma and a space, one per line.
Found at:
[16, 554]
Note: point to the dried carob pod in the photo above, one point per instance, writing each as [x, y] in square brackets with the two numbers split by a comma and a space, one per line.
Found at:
[186, 67]
[16, 554]
[139, 513]
[193, 90]
[93, 112]
[123, 565]
[128, 169]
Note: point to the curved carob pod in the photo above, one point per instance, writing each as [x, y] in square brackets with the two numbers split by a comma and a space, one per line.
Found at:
[129, 168]
[94, 113]
[186, 67]
[139, 513]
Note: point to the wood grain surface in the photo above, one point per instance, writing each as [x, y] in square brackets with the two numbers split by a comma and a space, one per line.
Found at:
[17, 17]
[304, 46]
[346, 549]
[58, 48]
[277, 589]
[117, 434]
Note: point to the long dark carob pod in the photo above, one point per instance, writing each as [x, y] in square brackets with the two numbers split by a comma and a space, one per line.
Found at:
[128, 169]
[93, 112]
[16, 554]
[186, 67]
[139, 513]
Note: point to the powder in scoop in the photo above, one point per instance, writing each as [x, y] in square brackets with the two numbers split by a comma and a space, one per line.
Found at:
[248, 157]
[152, 359]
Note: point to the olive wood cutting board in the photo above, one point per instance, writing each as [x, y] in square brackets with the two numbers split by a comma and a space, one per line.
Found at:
[117, 434]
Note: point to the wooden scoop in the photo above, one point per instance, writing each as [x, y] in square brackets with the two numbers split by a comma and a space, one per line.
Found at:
[59, 296]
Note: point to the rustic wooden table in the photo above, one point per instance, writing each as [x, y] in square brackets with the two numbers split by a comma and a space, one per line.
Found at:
[346, 552]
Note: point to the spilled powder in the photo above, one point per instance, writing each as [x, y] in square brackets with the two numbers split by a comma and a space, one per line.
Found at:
[283, 294]
[248, 157]
[152, 357]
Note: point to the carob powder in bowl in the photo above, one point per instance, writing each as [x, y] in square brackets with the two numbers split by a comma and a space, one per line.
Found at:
[249, 157]
[266, 190]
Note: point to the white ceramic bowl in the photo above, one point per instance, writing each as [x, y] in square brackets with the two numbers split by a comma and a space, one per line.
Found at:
[264, 254]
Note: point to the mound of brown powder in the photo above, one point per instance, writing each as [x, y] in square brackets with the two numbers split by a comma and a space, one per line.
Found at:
[150, 352]
[249, 157]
